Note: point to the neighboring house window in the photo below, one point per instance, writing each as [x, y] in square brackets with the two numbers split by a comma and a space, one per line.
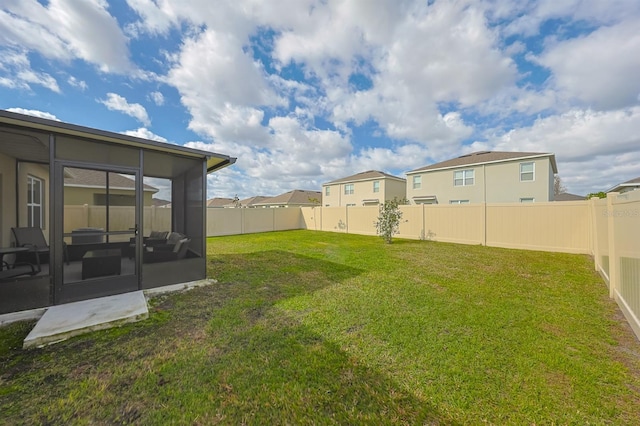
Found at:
[348, 189]
[527, 172]
[327, 191]
[527, 200]
[417, 182]
[34, 201]
[376, 186]
[463, 177]
[458, 201]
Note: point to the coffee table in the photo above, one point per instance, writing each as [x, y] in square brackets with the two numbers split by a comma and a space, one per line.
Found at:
[100, 263]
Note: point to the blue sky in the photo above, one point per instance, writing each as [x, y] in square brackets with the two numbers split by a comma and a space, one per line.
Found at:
[307, 91]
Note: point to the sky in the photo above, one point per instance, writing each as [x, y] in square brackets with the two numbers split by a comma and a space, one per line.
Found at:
[303, 92]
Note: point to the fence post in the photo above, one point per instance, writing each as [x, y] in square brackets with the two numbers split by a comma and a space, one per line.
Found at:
[484, 223]
[85, 214]
[595, 249]
[346, 219]
[613, 255]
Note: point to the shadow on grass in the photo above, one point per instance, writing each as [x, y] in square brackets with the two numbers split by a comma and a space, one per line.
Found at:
[221, 353]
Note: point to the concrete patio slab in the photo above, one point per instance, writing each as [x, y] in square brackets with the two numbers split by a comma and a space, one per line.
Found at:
[64, 321]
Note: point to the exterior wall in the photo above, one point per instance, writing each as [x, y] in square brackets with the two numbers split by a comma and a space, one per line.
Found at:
[41, 172]
[363, 190]
[7, 195]
[394, 189]
[493, 183]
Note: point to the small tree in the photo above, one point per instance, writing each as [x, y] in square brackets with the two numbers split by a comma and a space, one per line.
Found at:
[558, 186]
[388, 222]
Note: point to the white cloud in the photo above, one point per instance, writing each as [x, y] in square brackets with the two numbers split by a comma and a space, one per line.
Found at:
[34, 113]
[16, 67]
[600, 69]
[145, 133]
[115, 102]
[222, 86]
[157, 98]
[591, 147]
[67, 29]
[80, 84]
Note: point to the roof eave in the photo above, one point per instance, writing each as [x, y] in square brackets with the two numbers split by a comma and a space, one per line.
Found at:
[526, 157]
[52, 126]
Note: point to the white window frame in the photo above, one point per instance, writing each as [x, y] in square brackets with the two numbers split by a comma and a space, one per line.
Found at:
[458, 201]
[327, 191]
[465, 177]
[32, 205]
[417, 182]
[532, 172]
[349, 189]
[527, 200]
[376, 186]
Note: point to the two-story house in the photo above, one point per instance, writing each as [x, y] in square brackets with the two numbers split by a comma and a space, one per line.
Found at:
[363, 189]
[485, 176]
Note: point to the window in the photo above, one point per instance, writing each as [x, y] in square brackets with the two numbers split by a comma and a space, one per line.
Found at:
[417, 182]
[348, 189]
[376, 186]
[351, 205]
[34, 202]
[327, 191]
[527, 172]
[458, 201]
[463, 177]
[527, 200]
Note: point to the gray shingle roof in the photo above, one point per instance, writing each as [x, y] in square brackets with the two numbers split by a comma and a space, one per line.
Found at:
[296, 197]
[219, 202]
[565, 196]
[482, 157]
[369, 174]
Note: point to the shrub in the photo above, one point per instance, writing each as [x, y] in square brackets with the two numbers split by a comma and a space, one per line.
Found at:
[388, 222]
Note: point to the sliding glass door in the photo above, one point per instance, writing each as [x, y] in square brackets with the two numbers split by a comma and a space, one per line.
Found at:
[98, 224]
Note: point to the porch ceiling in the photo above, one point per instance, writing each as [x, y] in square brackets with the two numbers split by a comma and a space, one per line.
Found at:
[24, 145]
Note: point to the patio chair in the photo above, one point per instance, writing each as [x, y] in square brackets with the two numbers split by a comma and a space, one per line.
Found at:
[34, 237]
[167, 252]
[17, 269]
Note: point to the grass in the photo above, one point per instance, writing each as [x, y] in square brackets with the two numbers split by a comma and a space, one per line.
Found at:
[323, 328]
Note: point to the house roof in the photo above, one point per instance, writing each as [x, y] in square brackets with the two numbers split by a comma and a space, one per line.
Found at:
[565, 196]
[85, 178]
[630, 183]
[214, 160]
[219, 202]
[247, 202]
[295, 197]
[484, 157]
[158, 202]
[368, 175]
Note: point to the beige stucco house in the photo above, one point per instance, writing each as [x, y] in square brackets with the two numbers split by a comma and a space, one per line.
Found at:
[485, 176]
[85, 186]
[630, 185]
[362, 189]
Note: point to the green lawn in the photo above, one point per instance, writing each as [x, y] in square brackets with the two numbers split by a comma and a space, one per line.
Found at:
[323, 328]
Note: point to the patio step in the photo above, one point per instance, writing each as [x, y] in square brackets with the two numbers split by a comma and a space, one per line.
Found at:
[61, 322]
